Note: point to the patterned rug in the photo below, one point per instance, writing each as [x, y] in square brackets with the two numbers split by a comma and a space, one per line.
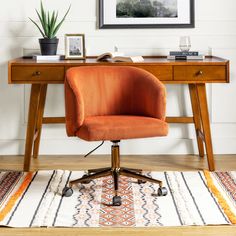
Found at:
[194, 198]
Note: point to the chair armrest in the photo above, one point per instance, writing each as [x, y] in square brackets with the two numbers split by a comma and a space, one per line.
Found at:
[74, 109]
[150, 97]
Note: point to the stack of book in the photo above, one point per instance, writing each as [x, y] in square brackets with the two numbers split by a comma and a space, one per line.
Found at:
[191, 55]
[48, 57]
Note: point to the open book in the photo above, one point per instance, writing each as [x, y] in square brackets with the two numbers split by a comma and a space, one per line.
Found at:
[118, 57]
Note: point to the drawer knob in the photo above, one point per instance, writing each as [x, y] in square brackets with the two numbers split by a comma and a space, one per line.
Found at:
[200, 72]
[36, 73]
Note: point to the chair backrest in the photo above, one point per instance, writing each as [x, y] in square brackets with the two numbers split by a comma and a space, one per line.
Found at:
[111, 90]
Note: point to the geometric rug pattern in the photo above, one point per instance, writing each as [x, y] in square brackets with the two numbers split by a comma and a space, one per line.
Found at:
[33, 199]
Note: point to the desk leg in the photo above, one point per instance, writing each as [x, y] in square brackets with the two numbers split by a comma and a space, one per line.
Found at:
[32, 117]
[201, 92]
[42, 99]
[196, 117]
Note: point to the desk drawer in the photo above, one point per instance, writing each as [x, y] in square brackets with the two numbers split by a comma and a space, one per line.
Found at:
[200, 73]
[31, 74]
[163, 73]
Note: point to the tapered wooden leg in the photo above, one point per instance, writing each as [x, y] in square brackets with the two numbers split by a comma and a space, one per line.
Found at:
[196, 117]
[201, 92]
[43, 92]
[32, 117]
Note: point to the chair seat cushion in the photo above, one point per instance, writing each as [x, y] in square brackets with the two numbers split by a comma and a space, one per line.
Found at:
[120, 127]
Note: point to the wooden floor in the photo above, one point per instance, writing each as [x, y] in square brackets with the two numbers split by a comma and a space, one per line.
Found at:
[158, 163]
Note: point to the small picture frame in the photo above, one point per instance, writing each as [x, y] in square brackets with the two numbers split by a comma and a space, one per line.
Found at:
[74, 46]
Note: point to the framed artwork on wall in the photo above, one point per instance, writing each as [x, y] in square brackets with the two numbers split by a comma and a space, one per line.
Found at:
[74, 46]
[118, 14]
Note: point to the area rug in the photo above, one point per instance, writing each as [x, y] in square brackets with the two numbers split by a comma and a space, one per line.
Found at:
[194, 198]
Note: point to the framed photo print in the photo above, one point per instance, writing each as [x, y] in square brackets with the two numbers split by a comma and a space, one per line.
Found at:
[115, 14]
[74, 46]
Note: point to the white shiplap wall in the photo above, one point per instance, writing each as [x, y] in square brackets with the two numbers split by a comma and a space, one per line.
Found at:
[215, 28]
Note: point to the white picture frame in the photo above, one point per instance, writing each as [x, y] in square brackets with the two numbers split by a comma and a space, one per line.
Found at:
[75, 46]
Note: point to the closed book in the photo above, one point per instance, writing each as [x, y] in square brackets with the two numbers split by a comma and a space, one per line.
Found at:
[199, 57]
[179, 53]
[48, 57]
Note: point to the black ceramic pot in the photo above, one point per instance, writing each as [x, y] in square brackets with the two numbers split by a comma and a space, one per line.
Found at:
[48, 46]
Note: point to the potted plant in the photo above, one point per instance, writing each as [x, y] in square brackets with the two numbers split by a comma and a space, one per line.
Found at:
[49, 27]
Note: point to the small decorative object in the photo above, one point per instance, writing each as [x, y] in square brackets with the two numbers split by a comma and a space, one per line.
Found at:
[184, 53]
[146, 14]
[49, 28]
[74, 46]
[184, 43]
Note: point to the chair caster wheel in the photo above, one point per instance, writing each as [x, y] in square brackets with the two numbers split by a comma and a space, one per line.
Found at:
[162, 191]
[141, 181]
[85, 181]
[67, 192]
[116, 201]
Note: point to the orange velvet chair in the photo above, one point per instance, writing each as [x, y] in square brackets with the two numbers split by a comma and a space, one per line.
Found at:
[114, 103]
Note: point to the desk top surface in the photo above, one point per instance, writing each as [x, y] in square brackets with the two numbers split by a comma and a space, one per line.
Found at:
[209, 70]
[147, 60]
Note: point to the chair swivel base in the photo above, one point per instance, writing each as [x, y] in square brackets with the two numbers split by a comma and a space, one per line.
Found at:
[116, 201]
[115, 171]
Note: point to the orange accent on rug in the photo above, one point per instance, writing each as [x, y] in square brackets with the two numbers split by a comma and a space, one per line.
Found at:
[13, 199]
[231, 216]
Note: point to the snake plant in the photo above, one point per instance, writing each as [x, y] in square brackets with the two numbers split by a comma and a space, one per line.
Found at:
[49, 22]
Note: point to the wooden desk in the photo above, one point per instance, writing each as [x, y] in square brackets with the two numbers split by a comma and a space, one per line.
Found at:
[194, 73]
